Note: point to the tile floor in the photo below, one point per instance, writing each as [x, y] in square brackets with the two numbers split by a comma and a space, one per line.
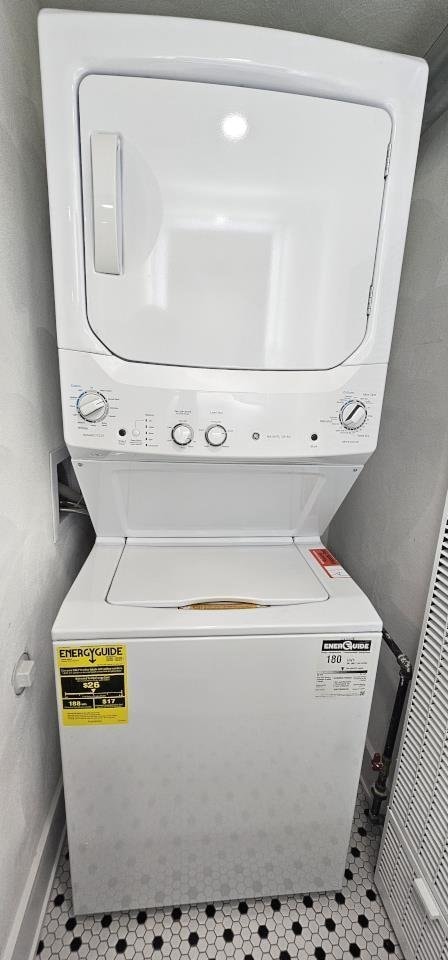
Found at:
[339, 926]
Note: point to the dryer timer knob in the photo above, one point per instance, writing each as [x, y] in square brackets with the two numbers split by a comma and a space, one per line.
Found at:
[353, 414]
[92, 406]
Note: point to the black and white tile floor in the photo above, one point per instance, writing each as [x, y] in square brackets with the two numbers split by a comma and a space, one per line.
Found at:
[333, 926]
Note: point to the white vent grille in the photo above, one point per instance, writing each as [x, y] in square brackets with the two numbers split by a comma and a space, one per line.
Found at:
[415, 841]
[420, 797]
[420, 937]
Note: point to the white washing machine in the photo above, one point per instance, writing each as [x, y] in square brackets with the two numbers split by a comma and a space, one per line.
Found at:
[228, 213]
[230, 766]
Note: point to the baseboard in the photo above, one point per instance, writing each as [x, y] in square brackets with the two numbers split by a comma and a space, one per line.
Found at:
[24, 937]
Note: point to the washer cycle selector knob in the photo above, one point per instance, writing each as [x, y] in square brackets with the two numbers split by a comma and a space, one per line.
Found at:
[216, 435]
[353, 414]
[182, 434]
[92, 406]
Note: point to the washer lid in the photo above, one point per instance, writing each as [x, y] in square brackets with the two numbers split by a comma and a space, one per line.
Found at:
[192, 575]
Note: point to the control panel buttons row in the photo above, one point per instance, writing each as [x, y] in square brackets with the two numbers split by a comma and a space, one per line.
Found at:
[92, 406]
[215, 435]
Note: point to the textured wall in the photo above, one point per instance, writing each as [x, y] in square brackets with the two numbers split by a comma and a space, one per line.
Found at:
[386, 530]
[407, 26]
[35, 574]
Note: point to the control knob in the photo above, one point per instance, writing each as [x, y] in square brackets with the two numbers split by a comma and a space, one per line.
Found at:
[182, 434]
[92, 406]
[216, 435]
[353, 414]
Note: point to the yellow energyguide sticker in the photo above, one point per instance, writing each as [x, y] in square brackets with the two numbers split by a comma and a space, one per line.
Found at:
[93, 683]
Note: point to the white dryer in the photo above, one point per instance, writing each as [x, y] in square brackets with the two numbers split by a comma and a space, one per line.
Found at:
[228, 213]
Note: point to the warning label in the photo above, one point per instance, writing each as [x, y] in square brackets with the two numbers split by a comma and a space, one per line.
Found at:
[342, 668]
[93, 682]
[328, 562]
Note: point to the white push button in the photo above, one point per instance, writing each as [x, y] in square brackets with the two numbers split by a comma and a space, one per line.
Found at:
[216, 435]
[182, 434]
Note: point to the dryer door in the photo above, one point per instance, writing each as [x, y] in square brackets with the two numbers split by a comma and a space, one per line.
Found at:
[228, 227]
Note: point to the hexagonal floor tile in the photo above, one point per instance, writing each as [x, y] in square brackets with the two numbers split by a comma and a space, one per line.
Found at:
[333, 926]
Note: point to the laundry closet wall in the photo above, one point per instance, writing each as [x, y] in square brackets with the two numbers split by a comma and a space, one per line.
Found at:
[385, 532]
[35, 573]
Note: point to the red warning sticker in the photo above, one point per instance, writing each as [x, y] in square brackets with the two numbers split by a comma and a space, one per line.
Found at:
[328, 562]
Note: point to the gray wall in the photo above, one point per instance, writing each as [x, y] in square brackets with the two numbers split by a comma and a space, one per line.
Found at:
[35, 574]
[406, 26]
[386, 530]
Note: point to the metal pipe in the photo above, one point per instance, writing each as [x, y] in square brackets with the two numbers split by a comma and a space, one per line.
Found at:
[382, 763]
[403, 661]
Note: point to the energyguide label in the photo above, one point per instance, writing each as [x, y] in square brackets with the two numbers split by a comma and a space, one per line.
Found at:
[93, 684]
[342, 668]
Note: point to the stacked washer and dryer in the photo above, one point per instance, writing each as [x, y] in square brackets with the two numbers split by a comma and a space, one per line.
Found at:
[228, 214]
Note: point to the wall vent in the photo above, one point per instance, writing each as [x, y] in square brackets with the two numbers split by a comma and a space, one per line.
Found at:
[415, 839]
[420, 937]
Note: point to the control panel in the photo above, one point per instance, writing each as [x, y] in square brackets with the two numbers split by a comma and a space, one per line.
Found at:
[329, 413]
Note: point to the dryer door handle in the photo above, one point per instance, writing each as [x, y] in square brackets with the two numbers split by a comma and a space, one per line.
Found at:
[106, 197]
